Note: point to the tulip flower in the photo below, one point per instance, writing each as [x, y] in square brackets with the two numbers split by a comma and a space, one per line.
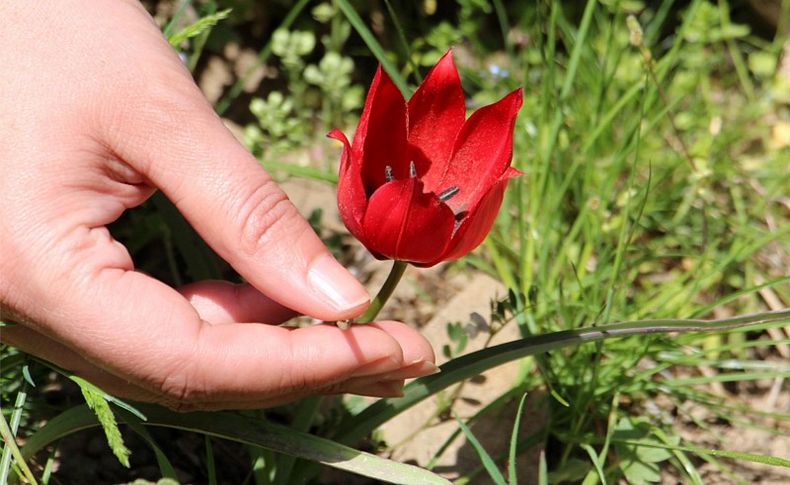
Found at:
[421, 183]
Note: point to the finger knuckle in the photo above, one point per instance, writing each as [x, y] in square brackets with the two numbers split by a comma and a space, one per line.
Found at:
[264, 214]
[179, 388]
[301, 377]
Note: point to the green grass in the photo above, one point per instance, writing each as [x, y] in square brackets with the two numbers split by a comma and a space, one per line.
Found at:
[635, 204]
[653, 195]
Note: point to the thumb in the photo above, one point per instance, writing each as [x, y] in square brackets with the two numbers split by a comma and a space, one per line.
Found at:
[174, 137]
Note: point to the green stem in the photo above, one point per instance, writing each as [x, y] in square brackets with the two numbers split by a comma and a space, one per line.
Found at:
[398, 267]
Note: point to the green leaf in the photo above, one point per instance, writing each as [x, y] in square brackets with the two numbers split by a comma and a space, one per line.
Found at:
[94, 398]
[300, 171]
[238, 428]
[595, 461]
[197, 28]
[478, 362]
[512, 451]
[210, 463]
[735, 455]
[9, 441]
[488, 462]
[165, 467]
[374, 46]
[639, 463]
[573, 471]
[26, 374]
[305, 413]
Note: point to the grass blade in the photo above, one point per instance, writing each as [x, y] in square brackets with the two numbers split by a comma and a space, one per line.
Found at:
[543, 472]
[478, 362]
[403, 42]
[300, 171]
[210, 465]
[240, 429]
[10, 442]
[200, 26]
[165, 467]
[16, 415]
[596, 463]
[374, 46]
[488, 462]
[172, 22]
[511, 468]
[697, 450]
[306, 411]
[201, 262]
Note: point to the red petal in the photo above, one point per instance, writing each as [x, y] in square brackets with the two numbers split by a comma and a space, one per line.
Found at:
[404, 223]
[380, 139]
[351, 198]
[475, 227]
[482, 151]
[436, 114]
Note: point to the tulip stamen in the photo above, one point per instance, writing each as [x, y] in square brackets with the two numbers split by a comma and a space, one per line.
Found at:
[448, 193]
[388, 173]
[412, 170]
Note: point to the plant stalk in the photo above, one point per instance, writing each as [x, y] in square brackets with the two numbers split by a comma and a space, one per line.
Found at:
[398, 268]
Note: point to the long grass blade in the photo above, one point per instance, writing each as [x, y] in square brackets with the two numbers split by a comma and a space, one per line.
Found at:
[596, 462]
[478, 362]
[19, 457]
[16, 415]
[300, 171]
[370, 40]
[165, 467]
[697, 450]
[243, 430]
[485, 458]
[211, 466]
[513, 449]
[306, 410]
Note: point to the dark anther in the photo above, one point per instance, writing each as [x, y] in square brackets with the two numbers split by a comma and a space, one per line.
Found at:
[448, 193]
[388, 173]
[459, 218]
[412, 170]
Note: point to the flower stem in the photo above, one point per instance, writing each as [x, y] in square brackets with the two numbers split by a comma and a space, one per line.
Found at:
[398, 267]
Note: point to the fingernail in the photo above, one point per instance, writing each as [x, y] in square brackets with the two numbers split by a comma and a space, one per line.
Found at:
[336, 285]
[420, 369]
[377, 368]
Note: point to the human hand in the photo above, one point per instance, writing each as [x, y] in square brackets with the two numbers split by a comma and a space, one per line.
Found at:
[96, 111]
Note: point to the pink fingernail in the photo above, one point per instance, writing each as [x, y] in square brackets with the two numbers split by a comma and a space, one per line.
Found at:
[420, 369]
[336, 285]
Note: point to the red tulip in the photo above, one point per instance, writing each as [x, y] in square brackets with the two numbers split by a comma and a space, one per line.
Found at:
[420, 183]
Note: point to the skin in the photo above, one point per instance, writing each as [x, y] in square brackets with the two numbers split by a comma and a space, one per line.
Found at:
[96, 113]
